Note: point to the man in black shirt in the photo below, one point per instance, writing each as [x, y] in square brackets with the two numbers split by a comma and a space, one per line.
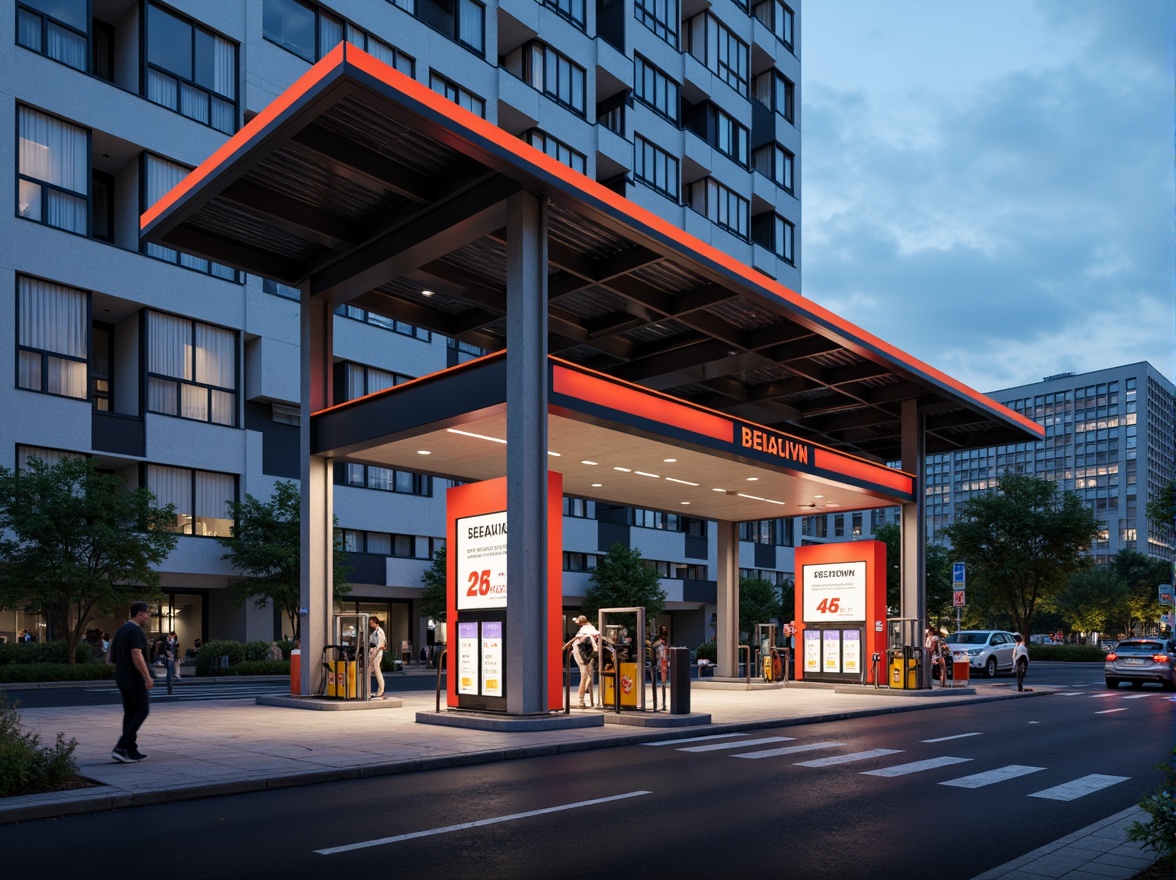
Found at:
[128, 657]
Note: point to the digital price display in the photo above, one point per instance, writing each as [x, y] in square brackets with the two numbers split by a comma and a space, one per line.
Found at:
[834, 592]
[492, 658]
[481, 561]
[467, 658]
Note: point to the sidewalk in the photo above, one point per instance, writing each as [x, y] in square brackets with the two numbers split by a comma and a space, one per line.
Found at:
[202, 749]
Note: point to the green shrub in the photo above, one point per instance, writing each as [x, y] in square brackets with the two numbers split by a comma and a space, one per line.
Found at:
[1159, 834]
[55, 672]
[707, 651]
[287, 645]
[257, 650]
[25, 766]
[261, 667]
[208, 661]
[1069, 653]
[41, 652]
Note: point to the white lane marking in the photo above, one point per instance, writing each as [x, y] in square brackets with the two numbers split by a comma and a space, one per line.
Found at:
[1079, 787]
[714, 747]
[693, 739]
[789, 750]
[1072, 694]
[330, 851]
[1103, 695]
[915, 766]
[979, 780]
[1109, 711]
[845, 759]
[940, 739]
[1138, 696]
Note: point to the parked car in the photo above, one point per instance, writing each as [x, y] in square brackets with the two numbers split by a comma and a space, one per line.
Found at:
[1140, 660]
[989, 650]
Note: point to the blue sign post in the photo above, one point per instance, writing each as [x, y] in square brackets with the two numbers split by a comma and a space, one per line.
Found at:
[959, 582]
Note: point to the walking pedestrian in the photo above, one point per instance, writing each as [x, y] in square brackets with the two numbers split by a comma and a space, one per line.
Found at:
[1020, 661]
[133, 677]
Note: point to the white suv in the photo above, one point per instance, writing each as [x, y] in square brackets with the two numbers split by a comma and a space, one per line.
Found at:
[989, 650]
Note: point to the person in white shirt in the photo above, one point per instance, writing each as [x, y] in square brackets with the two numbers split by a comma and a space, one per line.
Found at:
[377, 643]
[584, 644]
[1020, 661]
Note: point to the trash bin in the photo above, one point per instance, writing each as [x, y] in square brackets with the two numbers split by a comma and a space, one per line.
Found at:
[680, 681]
[296, 672]
[629, 686]
[904, 670]
[961, 669]
[341, 679]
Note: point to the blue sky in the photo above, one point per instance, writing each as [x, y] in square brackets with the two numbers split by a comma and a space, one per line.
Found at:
[989, 185]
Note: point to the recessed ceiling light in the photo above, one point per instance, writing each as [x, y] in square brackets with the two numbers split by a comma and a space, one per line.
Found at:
[818, 496]
[555, 454]
[423, 452]
[427, 292]
[683, 482]
[644, 474]
[669, 460]
[683, 502]
[831, 504]
[585, 461]
[597, 485]
[718, 490]
[623, 470]
[750, 497]
[752, 479]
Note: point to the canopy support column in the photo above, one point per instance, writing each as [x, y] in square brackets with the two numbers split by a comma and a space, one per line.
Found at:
[914, 584]
[727, 632]
[526, 454]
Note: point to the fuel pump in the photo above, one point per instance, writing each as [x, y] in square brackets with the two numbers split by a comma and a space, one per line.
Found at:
[765, 637]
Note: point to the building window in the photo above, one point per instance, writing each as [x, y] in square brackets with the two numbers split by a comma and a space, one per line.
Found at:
[159, 176]
[776, 234]
[458, 95]
[655, 167]
[191, 369]
[716, 46]
[191, 70]
[275, 289]
[51, 457]
[360, 380]
[383, 321]
[656, 90]
[552, 73]
[284, 414]
[777, 18]
[461, 20]
[578, 561]
[776, 92]
[720, 204]
[572, 10]
[58, 29]
[390, 55]
[201, 499]
[719, 129]
[52, 338]
[311, 33]
[387, 480]
[53, 171]
[775, 163]
[660, 16]
[579, 507]
[556, 149]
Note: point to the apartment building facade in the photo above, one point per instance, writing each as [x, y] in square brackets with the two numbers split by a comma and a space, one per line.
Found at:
[181, 375]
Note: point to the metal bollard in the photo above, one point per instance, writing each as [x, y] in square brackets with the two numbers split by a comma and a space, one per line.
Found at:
[679, 681]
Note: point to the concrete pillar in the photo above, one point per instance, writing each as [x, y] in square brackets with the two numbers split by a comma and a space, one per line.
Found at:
[914, 584]
[727, 632]
[526, 454]
[317, 517]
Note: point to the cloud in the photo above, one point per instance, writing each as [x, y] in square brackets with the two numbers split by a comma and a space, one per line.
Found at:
[1014, 227]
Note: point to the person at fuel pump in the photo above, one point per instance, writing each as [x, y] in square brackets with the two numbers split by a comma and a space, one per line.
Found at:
[584, 644]
[661, 664]
[377, 643]
[937, 651]
[1020, 660]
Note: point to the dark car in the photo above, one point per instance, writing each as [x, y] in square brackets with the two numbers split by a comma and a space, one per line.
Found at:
[1140, 660]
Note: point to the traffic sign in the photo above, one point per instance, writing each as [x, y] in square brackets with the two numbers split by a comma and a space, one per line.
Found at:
[957, 598]
[958, 577]
[1165, 594]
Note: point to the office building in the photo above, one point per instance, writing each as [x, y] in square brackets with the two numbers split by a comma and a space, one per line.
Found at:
[182, 375]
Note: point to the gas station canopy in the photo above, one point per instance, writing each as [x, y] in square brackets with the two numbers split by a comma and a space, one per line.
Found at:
[363, 186]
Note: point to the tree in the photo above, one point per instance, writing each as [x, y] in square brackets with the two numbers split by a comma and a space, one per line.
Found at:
[1140, 575]
[936, 572]
[76, 540]
[1161, 510]
[759, 602]
[1021, 542]
[434, 597]
[622, 579]
[266, 546]
[1090, 599]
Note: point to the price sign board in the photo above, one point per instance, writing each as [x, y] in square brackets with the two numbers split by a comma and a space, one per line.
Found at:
[481, 561]
[835, 591]
[957, 598]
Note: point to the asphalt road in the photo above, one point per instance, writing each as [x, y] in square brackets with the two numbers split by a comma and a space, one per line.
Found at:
[946, 793]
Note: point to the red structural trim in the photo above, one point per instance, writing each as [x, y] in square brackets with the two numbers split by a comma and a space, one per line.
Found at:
[864, 471]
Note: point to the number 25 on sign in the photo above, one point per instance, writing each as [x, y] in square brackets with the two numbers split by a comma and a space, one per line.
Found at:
[829, 606]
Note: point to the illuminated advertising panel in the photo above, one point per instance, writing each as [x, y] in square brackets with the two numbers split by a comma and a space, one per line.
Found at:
[467, 657]
[481, 561]
[835, 592]
[492, 658]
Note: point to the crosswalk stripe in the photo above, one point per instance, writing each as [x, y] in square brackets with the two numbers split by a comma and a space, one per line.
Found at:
[1079, 787]
[979, 780]
[693, 739]
[1072, 694]
[915, 766]
[940, 739]
[1103, 695]
[713, 747]
[846, 759]
[1137, 696]
[789, 750]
